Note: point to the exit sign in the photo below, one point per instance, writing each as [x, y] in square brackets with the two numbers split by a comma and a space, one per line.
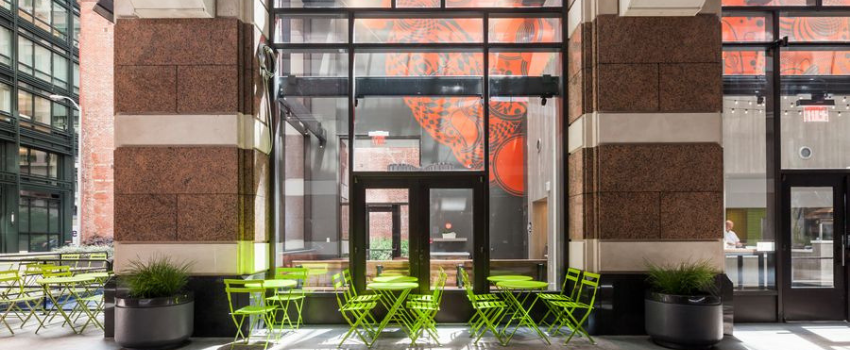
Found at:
[815, 114]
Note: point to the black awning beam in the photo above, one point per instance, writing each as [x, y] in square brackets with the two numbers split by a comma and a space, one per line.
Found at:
[545, 86]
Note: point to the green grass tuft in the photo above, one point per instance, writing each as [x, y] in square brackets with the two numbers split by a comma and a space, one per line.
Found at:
[157, 278]
[686, 278]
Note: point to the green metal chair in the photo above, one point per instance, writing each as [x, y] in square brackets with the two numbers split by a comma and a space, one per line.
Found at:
[357, 314]
[570, 316]
[12, 294]
[350, 292]
[97, 256]
[425, 308]
[292, 296]
[70, 260]
[489, 311]
[572, 277]
[255, 291]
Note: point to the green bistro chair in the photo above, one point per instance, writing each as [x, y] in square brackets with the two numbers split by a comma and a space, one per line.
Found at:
[91, 300]
[293, 296]
[350, 292]
[101, 257]
[70, 260]
[572, 277]
[262, 312]
[357, 314]
[425, 308]
[317, 273]
[489, 311]
[12, 295]
[571, 317]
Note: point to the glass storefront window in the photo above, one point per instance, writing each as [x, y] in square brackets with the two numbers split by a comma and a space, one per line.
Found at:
[314, 187]
[418, 30]
[522, 30]
[315, 29]
[769, 2]
[752, 28]
[39, 226]
[523, 140]
[815, 29]
[435, 133]
[749, 239]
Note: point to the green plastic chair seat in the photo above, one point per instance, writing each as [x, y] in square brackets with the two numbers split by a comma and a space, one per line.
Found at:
[481, 305]
[420, 305]
[358, 306]
[570, 304]
[21, 299]
[254, 310]
[553, 297]
[420, 297]
[96, 298]
[365, 298]
[285, 297]
[485, 297]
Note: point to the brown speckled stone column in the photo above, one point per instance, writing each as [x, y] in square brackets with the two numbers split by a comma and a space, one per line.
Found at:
[654, 189]
[191, 157]
[189, 170]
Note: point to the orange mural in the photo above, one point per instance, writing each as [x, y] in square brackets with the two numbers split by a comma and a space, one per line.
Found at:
[456, 122]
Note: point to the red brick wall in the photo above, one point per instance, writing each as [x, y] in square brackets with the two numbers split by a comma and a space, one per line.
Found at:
[96, 99]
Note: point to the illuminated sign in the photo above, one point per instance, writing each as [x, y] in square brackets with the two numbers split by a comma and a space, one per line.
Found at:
[815, 114]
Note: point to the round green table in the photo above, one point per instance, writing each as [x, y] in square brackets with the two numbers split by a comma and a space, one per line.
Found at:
[523, 290]
[70, 287]
[387, 279]
[393, 302]
[503, 278]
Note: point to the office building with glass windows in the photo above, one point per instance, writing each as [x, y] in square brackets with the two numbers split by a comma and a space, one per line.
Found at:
[406, 137]
[39, 57]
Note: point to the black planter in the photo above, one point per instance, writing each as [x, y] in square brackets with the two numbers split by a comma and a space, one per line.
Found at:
[158, 323]
[684, 322]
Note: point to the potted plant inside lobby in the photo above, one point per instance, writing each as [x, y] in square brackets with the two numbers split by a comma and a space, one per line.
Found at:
[153, 310]
[683, 309]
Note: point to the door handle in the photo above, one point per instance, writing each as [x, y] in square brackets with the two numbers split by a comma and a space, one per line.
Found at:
[843, 251]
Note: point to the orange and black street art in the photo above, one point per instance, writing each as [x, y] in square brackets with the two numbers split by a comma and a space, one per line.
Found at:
[456, 122]
[792, 62]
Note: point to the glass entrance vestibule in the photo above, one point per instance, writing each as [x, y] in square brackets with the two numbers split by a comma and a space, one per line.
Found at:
[412, 137]
[786, 67]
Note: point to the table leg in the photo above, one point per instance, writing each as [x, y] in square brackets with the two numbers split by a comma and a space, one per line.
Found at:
[391, 311]
[59, 306]
[524, 317]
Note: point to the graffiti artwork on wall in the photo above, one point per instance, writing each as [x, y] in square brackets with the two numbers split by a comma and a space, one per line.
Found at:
[456, 122]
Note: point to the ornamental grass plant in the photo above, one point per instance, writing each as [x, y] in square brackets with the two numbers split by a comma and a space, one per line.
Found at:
[158, 277]
[686, 278]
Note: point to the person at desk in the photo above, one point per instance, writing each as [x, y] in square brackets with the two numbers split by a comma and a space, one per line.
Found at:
[730, 237]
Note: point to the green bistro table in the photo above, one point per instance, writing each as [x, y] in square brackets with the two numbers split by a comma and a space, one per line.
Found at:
[524, 290]
[503, 278]
[275, 284]
[393, 303]
[388, 279]
[55, 288]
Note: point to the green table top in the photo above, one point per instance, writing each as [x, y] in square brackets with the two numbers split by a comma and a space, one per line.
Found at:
[95, 274]
[274, 284]
[64, 280]
[502, 278]
[385, 279]
[392, 286]
[522, 284]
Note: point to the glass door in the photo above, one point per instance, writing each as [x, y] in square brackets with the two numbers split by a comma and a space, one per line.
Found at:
[416, 224]
[814, 243]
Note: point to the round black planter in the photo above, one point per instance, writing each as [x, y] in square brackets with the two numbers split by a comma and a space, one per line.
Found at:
[684, 322]
[158, 323]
